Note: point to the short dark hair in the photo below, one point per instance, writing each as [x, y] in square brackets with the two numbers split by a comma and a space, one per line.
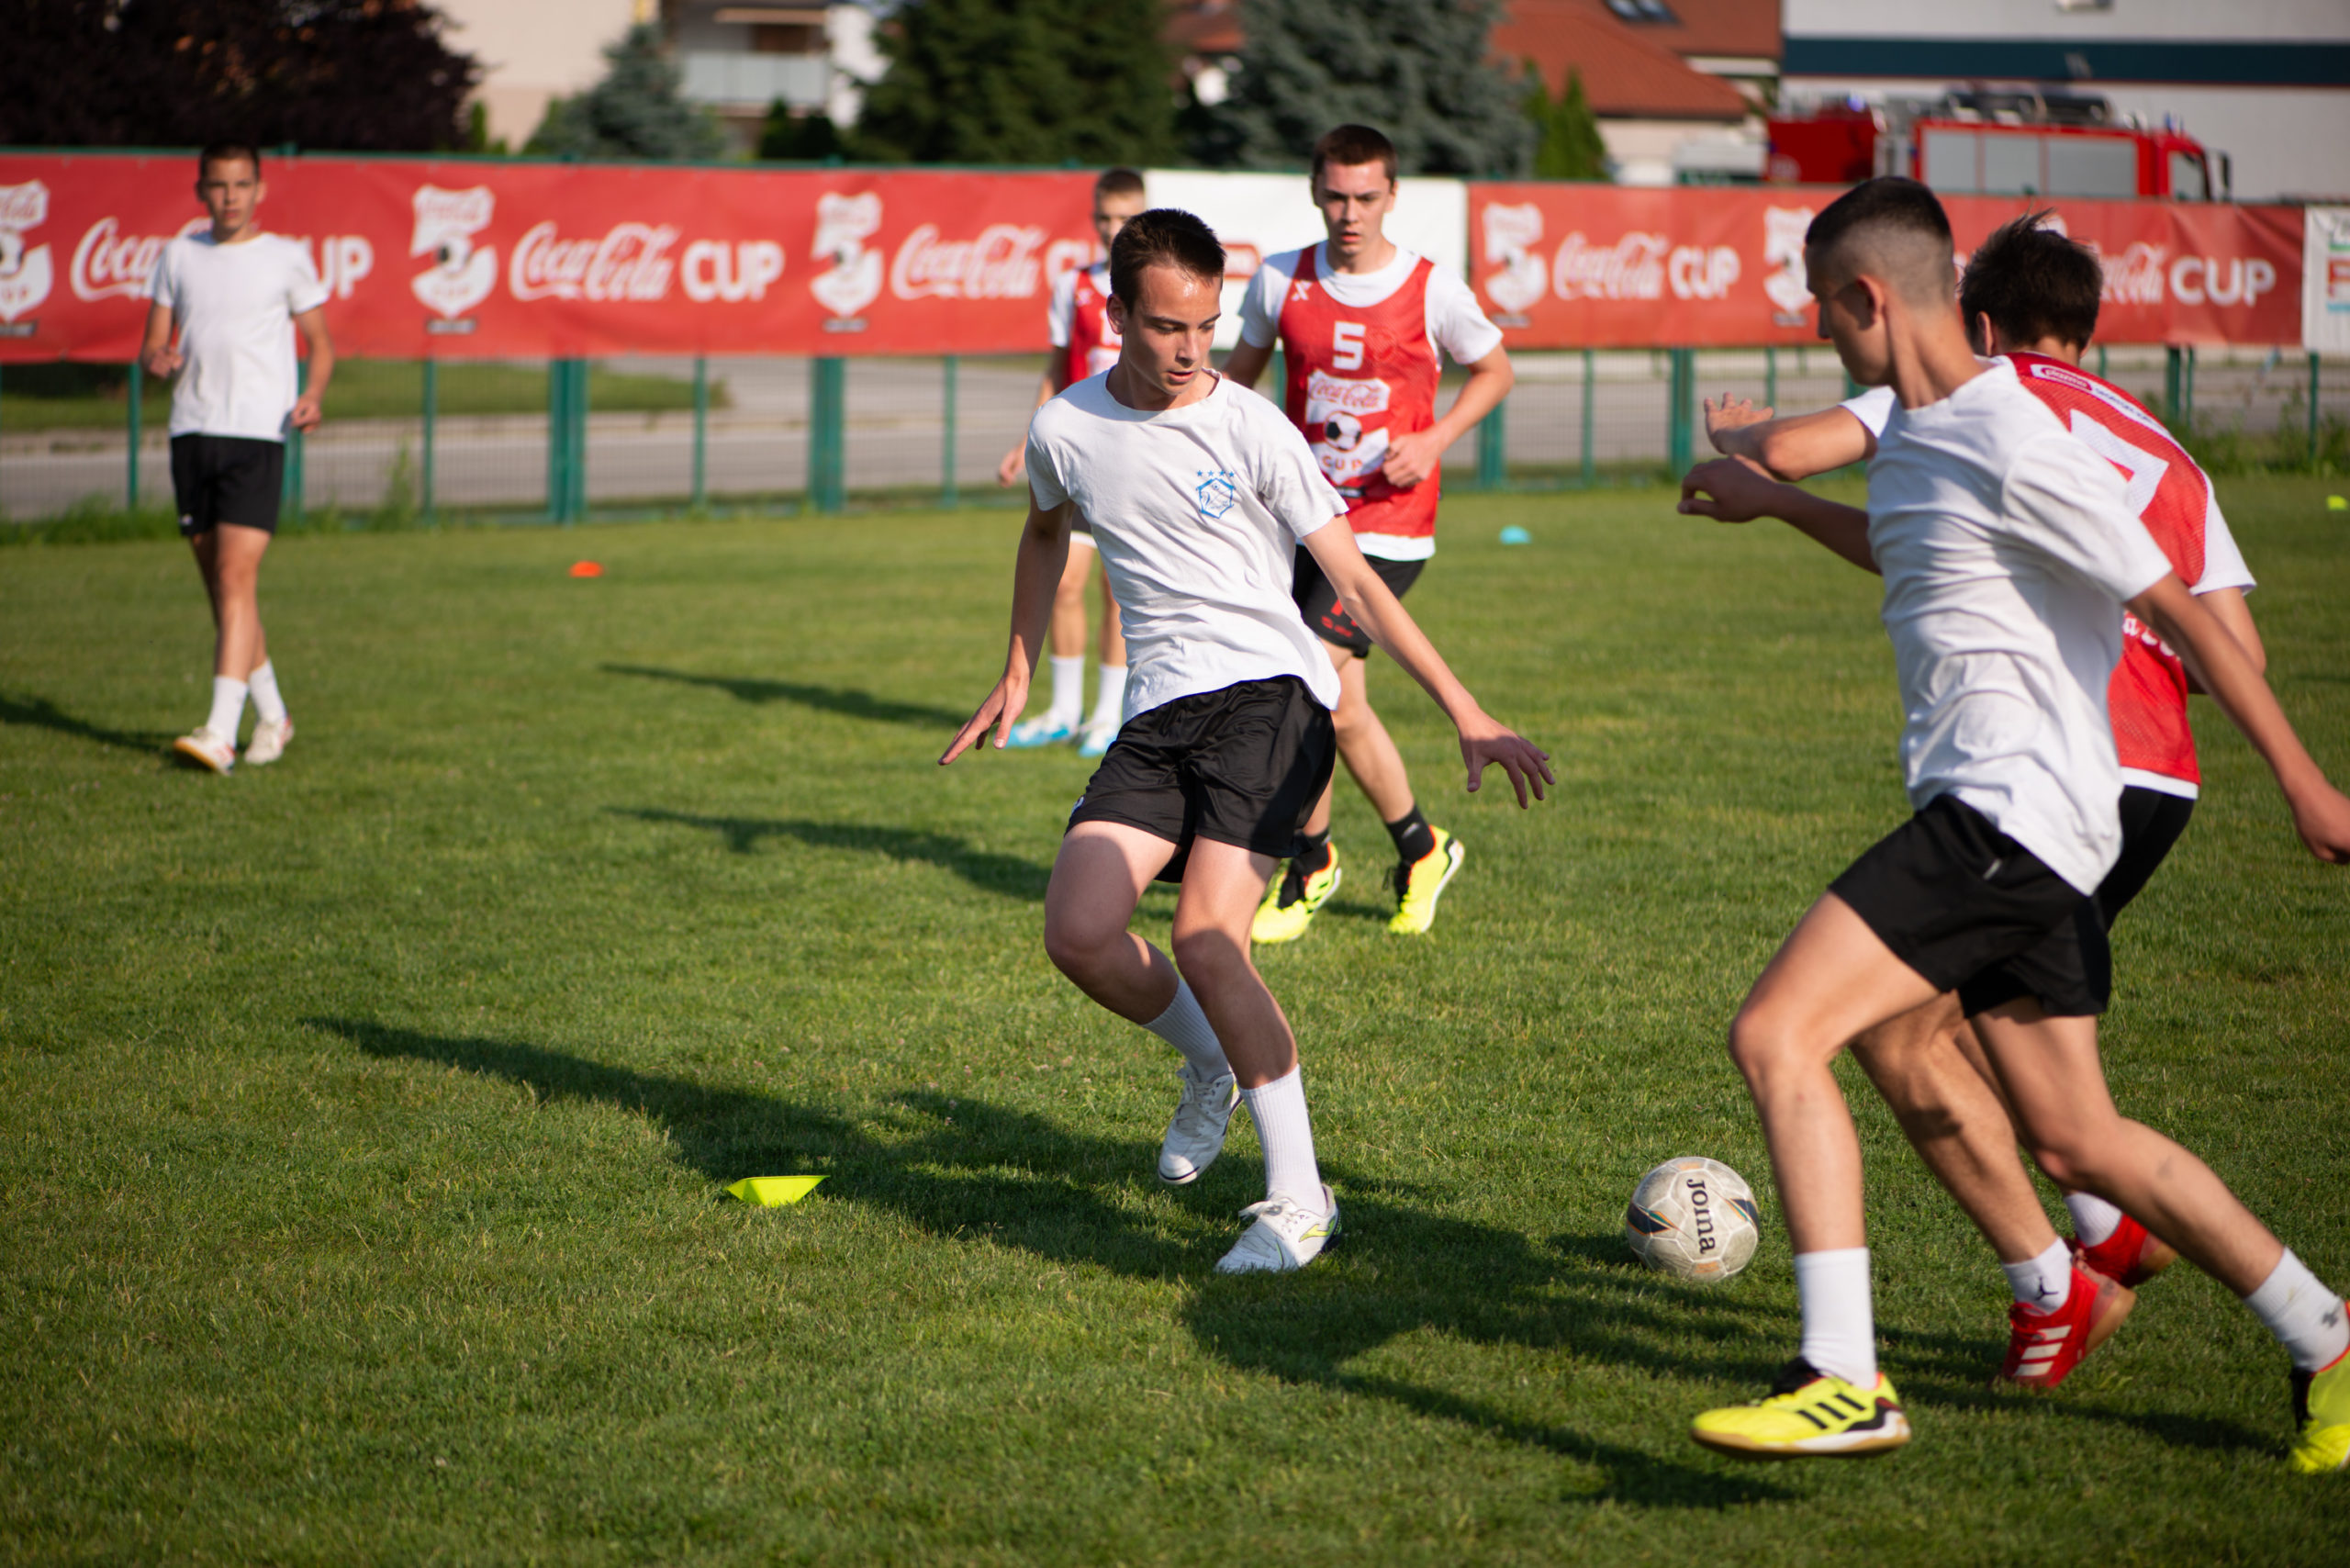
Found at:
[227, 152]
[1165, 236]
[1893, 225]
[1353, 146]
[2035, 282]
[1118, 182]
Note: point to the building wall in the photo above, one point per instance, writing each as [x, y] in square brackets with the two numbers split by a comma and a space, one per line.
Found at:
[531, 50]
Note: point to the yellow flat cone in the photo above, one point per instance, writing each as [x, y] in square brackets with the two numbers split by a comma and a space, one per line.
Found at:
[774, 1192]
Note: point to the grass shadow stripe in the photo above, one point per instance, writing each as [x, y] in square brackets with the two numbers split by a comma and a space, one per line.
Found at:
[849, 703]
[983, 868]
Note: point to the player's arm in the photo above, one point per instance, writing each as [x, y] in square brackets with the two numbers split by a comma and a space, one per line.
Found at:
[2228, 608]
[308, 407]
[1051, 385]
[1376, 611]
[1245, 363]
[2320, 812]
[156, 354]
[1036, 572]
[1735, 489]
[1795, 447]
[1412, 458]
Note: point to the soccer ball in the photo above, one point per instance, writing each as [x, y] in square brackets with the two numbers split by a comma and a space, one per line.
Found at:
[1694, 1218]
[1342, 431]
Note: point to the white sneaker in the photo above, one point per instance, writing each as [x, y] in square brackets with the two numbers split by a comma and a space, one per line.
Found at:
[1286, 1236]
[1195, 1135]
[1098, 736]
[269, 741]
[208, 748]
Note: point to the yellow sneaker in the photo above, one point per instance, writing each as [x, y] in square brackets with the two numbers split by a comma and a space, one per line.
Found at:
[1290, 902]
[1807, 1414]
[1420, 884]
[2321, 1409]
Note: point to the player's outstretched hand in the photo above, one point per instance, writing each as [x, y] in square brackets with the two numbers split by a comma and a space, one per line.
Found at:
[1015, 463]
[1411, 459]
[2322, 816]
[1002, 705]
[1730, 489]
[1486, 743]
[1730, 414]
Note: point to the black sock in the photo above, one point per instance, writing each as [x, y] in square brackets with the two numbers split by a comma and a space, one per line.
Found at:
[1313, 855]
[1415, 840]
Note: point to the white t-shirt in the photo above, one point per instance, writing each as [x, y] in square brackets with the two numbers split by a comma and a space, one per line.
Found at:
[1197, 512]
[1457, 322]
[1060, 306]
[2008, 548]
[235, 306]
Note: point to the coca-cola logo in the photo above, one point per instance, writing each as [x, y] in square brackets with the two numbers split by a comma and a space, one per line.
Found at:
[2136, 276]
[1002, 263]
[1632, 268]
[110, 264]
[1331, 393]
[630, 262]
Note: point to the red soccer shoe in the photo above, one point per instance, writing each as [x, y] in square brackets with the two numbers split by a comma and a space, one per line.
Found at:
[2132, 1254]
[2044, 1347]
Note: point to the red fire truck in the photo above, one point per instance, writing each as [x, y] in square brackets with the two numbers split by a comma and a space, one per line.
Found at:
[1994, 142]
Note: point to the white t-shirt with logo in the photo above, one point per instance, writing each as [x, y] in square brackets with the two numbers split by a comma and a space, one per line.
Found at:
[1198, 511]
[235, 306]
[2008, 548]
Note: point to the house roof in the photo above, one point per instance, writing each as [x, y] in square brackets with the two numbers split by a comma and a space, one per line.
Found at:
[1746, 27]
[1632, 72]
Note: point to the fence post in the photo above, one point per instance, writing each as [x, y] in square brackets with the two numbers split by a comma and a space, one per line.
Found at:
[2171, 361]
[2186, 418]
[1493, 449]
[947, 494]
[296, 491]
[1679, 418]
[827, 388]
[558, 434]
[701, 433]
[131, 475]
[578, 508]
[2101, 362]
[2313, 391]
[1590, 396]
[431, 418]
[1770, 378]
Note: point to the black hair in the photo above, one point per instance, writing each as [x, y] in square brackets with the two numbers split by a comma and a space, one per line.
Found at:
[1163, 236]
[1887, 202]
[1118, 182]
[2033, 282]
[227, 152]
[1353, 146]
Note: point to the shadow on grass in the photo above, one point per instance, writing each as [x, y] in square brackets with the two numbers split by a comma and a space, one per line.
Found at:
[850, 704]
[982, 868]
[41, 713]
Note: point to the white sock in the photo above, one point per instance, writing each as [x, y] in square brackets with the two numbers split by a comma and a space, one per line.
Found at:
[1069, 690]
[1839, 1325]
[1287, 1133]
[2305, 1317]
[2044, 1283]
[1109, 702]
[1186, 1027]
[228, 707]
[2094, 1219]
[267, 704]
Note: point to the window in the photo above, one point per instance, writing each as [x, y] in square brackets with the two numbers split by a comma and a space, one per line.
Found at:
[2188, 182]
[1642, 10]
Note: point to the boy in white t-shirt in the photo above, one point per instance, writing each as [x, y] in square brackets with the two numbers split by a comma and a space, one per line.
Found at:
[1084, 343]
[2008, 549]
[1198, 494]
[1362, 324]
[234, 298]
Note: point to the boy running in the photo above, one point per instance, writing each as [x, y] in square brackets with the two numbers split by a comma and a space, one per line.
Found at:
[1084, 343]
[1198, 494]
[230, 295]
[2007, 550]
[1360, 321]
[2032, 295]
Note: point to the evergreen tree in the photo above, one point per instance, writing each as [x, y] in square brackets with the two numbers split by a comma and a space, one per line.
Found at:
[634, 112]
[1022, 81]
[801, 139]
[1568, 145]
[1416, 69]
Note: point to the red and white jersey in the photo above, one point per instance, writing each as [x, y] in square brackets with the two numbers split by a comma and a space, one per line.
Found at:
[1078, 313]
[2146, 700]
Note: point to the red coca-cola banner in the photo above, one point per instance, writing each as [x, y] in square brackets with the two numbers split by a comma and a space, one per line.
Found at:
[1596, 266]
[472, 260]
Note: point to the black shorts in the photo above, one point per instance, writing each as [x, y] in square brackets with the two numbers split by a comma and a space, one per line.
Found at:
[227, 478]
[2151, 822]
[1974, 912]
[1242, 766]
[1319, 602]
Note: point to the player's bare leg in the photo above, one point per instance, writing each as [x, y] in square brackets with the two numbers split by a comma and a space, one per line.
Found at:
[229, 558]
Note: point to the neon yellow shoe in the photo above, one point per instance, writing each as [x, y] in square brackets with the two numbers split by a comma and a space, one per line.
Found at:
[1809, 1414]
[1420, 884]
[2322, 1407]
[1290, 902]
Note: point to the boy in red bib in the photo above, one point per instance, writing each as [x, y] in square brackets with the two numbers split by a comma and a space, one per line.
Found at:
[1361, 322]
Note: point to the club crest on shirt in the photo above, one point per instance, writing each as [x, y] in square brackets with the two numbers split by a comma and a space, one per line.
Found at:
[1219, 492]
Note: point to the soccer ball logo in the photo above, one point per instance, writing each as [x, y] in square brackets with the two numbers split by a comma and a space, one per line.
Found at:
[1694, 1218]
[1342, 431]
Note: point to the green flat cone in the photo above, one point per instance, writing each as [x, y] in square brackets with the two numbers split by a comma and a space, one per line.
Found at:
[774, 1192]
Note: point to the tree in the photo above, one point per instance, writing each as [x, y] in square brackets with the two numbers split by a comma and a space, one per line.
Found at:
[1416, 69]
[1022, 81]
[1567, 146]
[801, 139]
[634, 112]
[356, 75]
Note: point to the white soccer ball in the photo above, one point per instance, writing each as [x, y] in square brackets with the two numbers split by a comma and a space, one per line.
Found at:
[1694, 1218]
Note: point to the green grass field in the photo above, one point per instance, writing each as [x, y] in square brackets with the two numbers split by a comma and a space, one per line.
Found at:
[367, 1116]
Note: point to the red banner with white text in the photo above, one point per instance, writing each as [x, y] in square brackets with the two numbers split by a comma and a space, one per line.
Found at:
[1599, 266]
[473, 260]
